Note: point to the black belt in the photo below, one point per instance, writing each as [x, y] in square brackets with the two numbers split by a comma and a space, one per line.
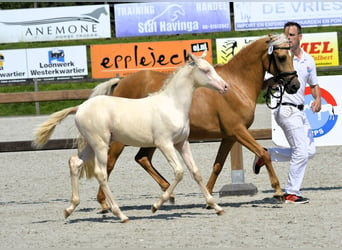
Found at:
[300, 106]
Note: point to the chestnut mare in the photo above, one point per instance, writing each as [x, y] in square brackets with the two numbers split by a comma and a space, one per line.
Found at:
[160, 120]
[214, 116]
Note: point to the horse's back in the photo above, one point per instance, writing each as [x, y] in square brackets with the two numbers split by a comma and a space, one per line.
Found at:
[140, 84]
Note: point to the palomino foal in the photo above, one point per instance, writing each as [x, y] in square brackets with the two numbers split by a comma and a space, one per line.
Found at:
[160, 120]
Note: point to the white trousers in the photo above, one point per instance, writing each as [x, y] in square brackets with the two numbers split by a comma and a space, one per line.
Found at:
[299, 136]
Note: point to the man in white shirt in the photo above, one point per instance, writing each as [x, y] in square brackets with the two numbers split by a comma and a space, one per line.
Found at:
[291, 118]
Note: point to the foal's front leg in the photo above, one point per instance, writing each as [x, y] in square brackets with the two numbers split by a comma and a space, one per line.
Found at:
[170, 154]
[185, 151]
[100, 171]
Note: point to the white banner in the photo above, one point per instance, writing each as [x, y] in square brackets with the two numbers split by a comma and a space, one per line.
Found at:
[60, 23]
[57, 62]
[54, 62]
[326, 125]
[273, 15]
[13, 64]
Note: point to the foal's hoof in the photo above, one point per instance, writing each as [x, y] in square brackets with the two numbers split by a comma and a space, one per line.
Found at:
[222, 212]
[172, 199]
[154, 209]
[66, 213]
[125, 220]
[279, 198]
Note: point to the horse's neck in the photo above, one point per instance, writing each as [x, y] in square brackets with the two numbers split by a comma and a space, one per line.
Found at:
[248, 70]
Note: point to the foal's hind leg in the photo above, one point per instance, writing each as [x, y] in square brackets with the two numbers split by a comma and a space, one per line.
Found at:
[185, 151]
[75, 165]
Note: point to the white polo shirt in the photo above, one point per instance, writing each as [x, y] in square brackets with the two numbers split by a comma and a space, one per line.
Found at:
[307, 74]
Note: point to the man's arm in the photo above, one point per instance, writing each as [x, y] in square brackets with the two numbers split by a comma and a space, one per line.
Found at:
[316, 93]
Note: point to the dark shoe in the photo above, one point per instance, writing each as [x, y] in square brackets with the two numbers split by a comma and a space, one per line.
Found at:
[292, 198]
[257, 164]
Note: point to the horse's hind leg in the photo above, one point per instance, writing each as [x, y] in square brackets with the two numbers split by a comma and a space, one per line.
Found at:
[221, 157]
[144, 158]
[186, 154]
[114, 152]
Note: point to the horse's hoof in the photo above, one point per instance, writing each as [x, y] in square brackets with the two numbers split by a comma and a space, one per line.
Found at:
[105, 211]
[222, 212]
[154, 209]
[208, 207]
[172, 199]
[279, 198]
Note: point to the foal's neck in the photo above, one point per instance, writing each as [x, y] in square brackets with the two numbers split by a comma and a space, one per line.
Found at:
[181, 86]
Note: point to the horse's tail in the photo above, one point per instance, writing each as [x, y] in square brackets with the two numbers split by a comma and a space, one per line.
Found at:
[105, 88]
[45, 130]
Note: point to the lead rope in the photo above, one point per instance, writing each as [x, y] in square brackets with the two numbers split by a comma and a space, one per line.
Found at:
[274, 92]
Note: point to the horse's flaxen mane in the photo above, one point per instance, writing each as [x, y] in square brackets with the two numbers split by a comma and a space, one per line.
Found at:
[271, 40]
[277, 39]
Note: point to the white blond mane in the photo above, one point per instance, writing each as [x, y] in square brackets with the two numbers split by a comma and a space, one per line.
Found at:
[169, 79]
[278, 39]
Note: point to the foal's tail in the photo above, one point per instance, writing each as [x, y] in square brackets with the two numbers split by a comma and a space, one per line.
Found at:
[45, 130]
[105, 88]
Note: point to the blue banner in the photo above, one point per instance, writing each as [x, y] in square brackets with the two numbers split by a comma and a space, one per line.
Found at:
[166, 18]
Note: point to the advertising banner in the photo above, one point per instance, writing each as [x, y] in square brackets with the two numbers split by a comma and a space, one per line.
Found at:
[166, 18]
[273, 15]
[323, 47]
[50, 24]
[56, 63]
[118, 60]
[326, 125]
[13, 65]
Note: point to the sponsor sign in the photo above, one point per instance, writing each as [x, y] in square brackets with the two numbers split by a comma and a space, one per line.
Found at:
[118, 60]
[60, 23]
[165, 18]
[13, 65]
[273, 15]
[322, 46]
[56, 63]
[326, 124]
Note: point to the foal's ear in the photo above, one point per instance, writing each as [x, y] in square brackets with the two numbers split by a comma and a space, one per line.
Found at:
[191, 58]
[204, 54]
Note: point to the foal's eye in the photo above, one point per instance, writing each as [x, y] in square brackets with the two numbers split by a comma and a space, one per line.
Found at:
[282, 59]
[206, 71]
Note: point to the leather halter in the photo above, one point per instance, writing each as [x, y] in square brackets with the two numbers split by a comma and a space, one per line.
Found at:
[281, 78]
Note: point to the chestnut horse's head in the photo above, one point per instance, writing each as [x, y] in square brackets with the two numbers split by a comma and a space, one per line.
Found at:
[280, 63]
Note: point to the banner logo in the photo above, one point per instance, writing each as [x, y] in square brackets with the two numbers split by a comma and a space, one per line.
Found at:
[321, 122]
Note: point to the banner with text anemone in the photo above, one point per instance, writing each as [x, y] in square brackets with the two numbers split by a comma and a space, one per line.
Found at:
[273, 15]
[166, 18]
[60, 23]
[69, 62]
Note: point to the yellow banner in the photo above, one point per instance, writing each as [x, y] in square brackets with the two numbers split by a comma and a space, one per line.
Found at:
[323, 47]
